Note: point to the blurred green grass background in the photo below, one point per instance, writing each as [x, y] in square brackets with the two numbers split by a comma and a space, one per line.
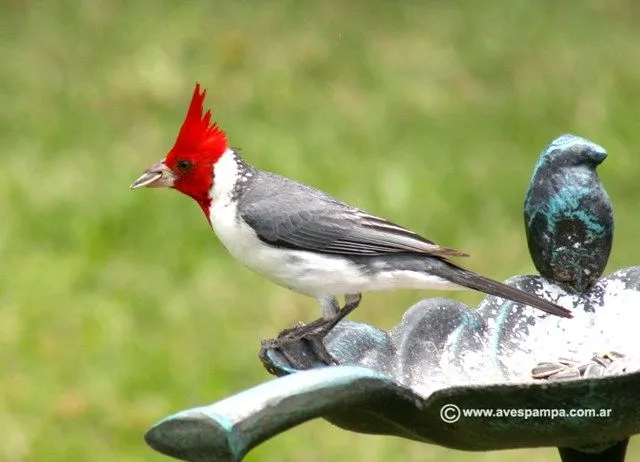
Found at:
[119, 307]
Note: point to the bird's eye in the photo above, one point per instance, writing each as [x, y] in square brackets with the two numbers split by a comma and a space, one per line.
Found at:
[184, 165]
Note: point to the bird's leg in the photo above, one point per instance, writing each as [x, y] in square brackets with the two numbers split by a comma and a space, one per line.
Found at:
[332, 315]
[330, 306]
[311, 335]
[330, 310]
[351, 302]
[315, 338]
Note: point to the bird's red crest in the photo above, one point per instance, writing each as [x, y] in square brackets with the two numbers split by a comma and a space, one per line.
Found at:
[198, 134]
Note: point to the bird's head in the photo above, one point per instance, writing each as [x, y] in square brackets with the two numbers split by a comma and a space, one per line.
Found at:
[572, 151]
[188, 167]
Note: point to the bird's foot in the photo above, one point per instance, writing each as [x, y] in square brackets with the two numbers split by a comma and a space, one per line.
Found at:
[302, 345]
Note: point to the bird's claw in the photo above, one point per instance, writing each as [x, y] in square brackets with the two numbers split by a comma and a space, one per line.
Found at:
[301, 346]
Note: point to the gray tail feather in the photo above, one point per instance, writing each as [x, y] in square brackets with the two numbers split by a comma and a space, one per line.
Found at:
[471, 280]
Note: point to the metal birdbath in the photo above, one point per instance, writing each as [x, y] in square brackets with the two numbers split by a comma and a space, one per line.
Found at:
[502, 376]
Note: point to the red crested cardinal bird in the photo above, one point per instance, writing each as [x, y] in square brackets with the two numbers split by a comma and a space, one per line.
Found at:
[303, 238]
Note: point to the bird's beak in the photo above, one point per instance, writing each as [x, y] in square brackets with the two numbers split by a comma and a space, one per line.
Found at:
[156, 176]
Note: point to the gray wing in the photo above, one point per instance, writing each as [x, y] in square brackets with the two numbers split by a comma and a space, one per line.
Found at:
[291, 215]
